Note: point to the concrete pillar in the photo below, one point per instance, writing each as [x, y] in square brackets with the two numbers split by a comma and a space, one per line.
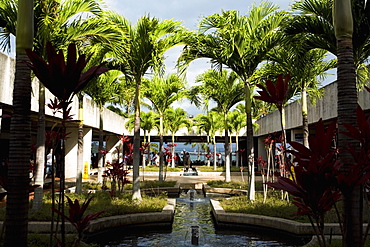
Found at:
[71, 152]
[111, 145]
[261, 148]
[87, 146]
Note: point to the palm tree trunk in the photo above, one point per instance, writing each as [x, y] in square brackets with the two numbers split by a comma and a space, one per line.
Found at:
[347, 104]
[250, 143]
[136, 194]
[237, 149]
[227, 157]
[214, 154]
[16, 225]
[40, 151]
[80, 143]
[100, 147]
[16, 218]
[160, 179]
[305, 117]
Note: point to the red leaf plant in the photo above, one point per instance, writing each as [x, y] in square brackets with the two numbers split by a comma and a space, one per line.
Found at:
[77, 216]
[63, 78]
[359, 172]
[274, 93]
[314, 188]
[117, 175]
[277, 94]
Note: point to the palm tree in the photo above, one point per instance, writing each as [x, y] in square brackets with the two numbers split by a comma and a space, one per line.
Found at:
[241, 43]
[175, 119]
[213, 123]
[16, 219]
[314, 19]
[203, 123]
[345, 32]
[347, 104]
[162, 93]
[236, 121]
[104, 89]
[145, 44]
[306, 67]
[226, 90]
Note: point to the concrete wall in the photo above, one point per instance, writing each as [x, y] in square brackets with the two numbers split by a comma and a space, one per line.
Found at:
[112, 121]
[325, 108]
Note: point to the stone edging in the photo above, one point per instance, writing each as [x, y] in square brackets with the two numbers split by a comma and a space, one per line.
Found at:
[209, 189]
[271, 222]
[166, 216]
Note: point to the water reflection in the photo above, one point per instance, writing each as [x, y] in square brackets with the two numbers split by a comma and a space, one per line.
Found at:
[193, 212]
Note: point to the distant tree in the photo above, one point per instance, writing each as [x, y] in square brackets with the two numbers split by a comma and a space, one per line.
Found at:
[174, 120]
[162, 93]
[226, 90]
[236, 121]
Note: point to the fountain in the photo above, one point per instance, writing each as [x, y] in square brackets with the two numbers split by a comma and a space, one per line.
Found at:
[195, 235]
[191, 171]
[193, 226]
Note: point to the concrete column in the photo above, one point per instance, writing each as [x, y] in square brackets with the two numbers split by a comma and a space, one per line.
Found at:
[87, 146]
[71, 152]
[261, 148]
[111, 145]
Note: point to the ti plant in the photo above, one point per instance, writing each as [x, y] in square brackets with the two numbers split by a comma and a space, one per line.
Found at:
[78, 218]
[63, 78]
[314, 187]
[276, 93]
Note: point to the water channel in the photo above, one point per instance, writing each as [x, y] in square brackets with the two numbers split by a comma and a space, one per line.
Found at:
[194, 226]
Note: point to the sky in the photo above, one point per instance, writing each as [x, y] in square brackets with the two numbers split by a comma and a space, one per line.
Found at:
[189, 12]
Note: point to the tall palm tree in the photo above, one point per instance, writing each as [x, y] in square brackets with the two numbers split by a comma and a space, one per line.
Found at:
[314, 19]
[306, 67]
[162, 93]
[241, 43]
[104, 89]
[16, 219]
[226, 90]
[175, 119]
[347, 104]
[345, 32]
[145, 42]
[236, 121]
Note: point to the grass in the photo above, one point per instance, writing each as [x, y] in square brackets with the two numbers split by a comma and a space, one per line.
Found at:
[199, 168]
[274, 205]
[121, 204]
[148, 184]
[233, 184]
[156, 169]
